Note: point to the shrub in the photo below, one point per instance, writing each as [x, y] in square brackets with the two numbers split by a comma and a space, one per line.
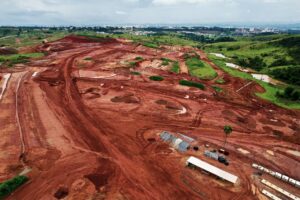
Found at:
[220, 81]
[175, 67]
[132, 64]
[151, 45]
[165, 62]
[290, 94]
[135, 73]
[217, 89]
[139, 58]
[192, 84]
[156, 78]
[290, 74]
[11, 185]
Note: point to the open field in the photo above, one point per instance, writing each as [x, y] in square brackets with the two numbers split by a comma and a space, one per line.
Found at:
[88, 125]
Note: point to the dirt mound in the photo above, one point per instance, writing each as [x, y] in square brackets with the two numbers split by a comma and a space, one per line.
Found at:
[169, 104]
[82, 39]
[126, 98]
[8, 50]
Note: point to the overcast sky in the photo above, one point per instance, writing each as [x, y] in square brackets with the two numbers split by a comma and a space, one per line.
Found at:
[99, 12]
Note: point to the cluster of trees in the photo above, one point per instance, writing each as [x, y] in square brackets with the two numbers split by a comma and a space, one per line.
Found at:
[289, 93]
[256, 63]
[205, 39]
[11, 185]
[292, 44]
[289, 75]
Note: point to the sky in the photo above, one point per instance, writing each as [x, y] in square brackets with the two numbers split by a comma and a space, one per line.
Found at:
[112, 12]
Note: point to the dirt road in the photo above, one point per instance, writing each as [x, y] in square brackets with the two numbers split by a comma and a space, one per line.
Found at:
[97, 138]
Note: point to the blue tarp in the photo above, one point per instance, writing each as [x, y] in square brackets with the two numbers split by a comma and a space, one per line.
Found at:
[183, 146]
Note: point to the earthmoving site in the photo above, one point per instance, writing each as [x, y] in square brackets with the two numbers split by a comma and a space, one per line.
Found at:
[86, 122]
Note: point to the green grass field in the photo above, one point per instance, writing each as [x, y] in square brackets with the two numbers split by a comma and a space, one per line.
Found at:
[270, 90]
[13, 59]
[272, 52]
[200, 69]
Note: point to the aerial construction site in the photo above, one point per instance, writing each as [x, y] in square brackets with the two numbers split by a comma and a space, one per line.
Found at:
[104, 118]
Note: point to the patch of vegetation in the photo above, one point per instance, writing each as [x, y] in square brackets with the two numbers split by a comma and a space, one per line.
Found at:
[200, 69]
[151, 45]
[156, 78]
[256, 63]
[220, 81]
[139, 58]
[11, 60]
[192, 84]
[289, 74]
[175, 68]
[132, 64]
[135, 73]
[217, 89]
[271, 91]
[166, 61]
[289, 93]
[262, 53]
[11, 185]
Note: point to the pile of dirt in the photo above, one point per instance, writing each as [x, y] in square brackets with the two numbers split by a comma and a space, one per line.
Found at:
[82, 39]
[168, 104]
[126, 98]
[8, 50]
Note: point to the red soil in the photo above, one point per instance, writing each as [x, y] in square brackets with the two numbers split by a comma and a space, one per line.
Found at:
[106, 147]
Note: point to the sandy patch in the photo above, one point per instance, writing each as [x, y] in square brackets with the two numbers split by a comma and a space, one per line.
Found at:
[218, 55]
[295, 153]
[243, 151]
[270, 152]
[4, 84]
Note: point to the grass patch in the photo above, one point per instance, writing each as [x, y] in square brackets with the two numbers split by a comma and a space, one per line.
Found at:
[200, 69]
[19, 58]
[156, 78]
[11, 185]
[175, 67]
[132, 64]
[88, 58]
[192, 84]
[135, 73]
[151, 45]
[217, 89]
[220, 81]
[139, 58]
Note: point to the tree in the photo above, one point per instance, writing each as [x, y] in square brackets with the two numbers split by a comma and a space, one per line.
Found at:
[227, 131]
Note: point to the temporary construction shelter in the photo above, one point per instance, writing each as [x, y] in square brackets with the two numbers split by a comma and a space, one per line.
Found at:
[212, 169]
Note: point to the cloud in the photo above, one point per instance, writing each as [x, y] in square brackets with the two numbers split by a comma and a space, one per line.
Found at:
[173, 2]
[97, 12]
[119, 12]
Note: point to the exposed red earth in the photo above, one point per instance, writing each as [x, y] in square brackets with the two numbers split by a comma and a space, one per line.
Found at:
[89, 129]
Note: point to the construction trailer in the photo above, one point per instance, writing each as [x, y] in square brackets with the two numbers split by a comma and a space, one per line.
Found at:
[193, 161]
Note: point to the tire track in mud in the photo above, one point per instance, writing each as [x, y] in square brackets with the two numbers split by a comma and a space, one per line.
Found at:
[21, 134]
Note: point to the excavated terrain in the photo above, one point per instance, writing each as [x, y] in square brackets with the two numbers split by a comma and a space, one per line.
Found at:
[83, 126]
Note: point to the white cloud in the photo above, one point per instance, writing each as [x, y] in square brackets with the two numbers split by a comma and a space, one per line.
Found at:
[119, 12]
[95, 12]
[173, 2]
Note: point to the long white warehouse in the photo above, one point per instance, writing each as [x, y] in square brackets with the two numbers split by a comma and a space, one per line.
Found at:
[212, 169]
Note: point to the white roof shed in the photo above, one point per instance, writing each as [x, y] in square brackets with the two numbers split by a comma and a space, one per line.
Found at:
[212, 169]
